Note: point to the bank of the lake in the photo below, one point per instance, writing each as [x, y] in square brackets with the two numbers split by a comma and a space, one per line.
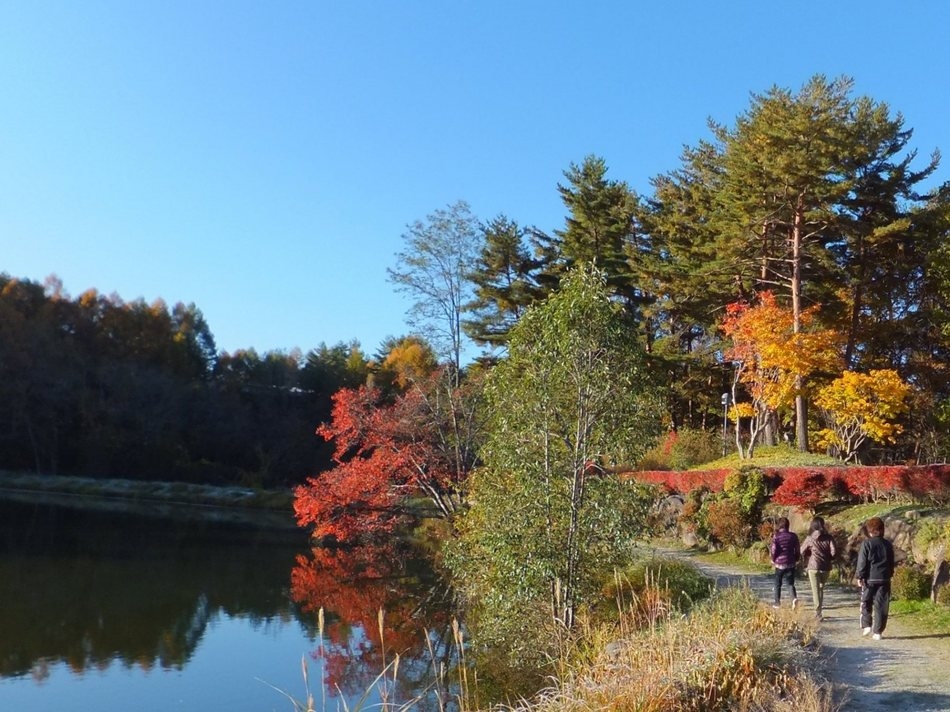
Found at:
[230, 503]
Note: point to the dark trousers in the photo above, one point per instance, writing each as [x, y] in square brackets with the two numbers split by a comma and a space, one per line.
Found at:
[875, 602]
[784, 575]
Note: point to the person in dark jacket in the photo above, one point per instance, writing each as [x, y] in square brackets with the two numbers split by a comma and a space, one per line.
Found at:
[785, 552]
[874, 572]
[819, 551]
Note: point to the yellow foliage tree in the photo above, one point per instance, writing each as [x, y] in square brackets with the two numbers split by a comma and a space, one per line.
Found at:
[861, 406]
[410, 360]
[772, 361]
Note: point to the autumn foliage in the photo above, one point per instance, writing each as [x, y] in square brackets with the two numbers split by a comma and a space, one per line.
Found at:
[809, 486]
[771, 359]
[354, 588]
[417, 443]
[681, 482]
[862, 406]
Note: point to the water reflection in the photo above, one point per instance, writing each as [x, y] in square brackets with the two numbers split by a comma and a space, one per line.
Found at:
[169, 609]
[378, 602]
[88, 591]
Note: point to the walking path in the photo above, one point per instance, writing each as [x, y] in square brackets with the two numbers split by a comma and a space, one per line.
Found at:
[909, 670]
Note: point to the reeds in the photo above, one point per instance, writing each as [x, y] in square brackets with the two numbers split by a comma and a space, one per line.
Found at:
[445, 693]
[730, 652]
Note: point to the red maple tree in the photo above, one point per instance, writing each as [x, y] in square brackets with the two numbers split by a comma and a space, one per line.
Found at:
[418, 443]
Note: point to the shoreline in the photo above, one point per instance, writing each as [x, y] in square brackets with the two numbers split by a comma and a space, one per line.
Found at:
[271, 508]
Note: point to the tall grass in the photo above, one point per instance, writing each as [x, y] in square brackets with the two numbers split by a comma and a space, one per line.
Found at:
[729, 652]
[444, 693]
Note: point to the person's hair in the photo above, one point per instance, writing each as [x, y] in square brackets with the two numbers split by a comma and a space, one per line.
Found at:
[781, 524]
[875, 526]
[817, 525]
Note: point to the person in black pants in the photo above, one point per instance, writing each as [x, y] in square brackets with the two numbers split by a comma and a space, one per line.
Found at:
[784, 550]
[874, 572]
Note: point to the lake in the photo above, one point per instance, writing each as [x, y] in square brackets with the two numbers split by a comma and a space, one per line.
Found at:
[156, 610]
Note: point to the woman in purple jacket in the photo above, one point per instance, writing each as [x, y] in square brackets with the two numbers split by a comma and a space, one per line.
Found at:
[785, 552]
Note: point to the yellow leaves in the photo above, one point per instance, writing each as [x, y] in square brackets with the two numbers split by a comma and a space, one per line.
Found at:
[771, 356]
[741, 410]
[862, 405]
[410, 360]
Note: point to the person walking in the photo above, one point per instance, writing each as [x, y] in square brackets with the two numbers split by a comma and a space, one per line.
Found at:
[819, 551]
[874, 572]
[785, 552]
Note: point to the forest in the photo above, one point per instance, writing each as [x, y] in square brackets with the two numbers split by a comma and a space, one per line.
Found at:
[788, 267]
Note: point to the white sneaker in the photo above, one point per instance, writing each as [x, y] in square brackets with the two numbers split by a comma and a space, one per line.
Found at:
[866, 631]
[877, 636]
[794, 603]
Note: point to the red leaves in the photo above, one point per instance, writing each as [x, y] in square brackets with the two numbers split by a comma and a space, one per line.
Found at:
[805, 487]
[683, 481]
[385, 451]
[808, 486]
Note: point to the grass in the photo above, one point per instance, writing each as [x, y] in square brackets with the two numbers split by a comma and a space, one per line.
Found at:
[772, 456]
[729, 653]
[923, 616]
[145, 490]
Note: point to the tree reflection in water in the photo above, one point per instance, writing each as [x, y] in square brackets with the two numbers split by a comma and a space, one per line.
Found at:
[352, 586]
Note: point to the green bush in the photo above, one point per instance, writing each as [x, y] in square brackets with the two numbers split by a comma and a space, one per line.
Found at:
[747, 485]
[943, 595]
[684, 583]
[693, 516]
[910, 583]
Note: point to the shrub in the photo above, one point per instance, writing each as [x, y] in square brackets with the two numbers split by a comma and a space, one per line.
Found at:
[693, 516]
[943, 595]
[679, 582]
[729, 522]
[682, 449]
[802, 487]
[910, 584]
[747, 485]
[694, 447]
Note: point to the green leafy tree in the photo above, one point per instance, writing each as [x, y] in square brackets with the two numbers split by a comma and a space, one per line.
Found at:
[545, 523]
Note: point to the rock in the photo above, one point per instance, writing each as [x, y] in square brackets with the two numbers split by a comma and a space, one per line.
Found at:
[941, 578]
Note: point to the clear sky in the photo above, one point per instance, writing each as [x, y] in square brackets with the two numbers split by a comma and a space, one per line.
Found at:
[263, 159]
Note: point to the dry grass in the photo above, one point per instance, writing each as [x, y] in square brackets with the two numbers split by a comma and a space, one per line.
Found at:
[731, 653]
[728, 653]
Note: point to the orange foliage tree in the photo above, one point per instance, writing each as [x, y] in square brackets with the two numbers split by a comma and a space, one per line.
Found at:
[860, 407]
[772, 360]
[421, 442]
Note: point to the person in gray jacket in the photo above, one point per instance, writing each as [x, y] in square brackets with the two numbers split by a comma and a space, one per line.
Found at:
[874, 572]
[818, 550]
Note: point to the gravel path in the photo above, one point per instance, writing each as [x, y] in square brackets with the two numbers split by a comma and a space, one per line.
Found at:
[909, 670]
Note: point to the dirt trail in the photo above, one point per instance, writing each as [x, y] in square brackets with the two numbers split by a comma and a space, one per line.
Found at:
[909, 670]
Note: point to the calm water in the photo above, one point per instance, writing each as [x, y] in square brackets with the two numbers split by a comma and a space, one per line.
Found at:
[103, 611]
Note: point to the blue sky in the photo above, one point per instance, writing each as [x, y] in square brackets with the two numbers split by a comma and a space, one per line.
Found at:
[263, 159]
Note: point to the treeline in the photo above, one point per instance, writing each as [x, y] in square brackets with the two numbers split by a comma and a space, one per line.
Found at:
[99, 387]
[815, 197]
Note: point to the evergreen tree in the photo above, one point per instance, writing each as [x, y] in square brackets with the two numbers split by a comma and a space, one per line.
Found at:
[504, 282]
